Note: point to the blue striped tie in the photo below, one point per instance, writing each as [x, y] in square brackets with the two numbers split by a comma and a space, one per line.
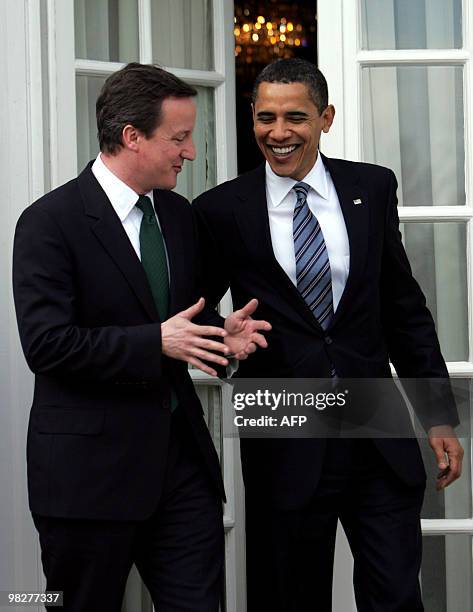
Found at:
[314, 280]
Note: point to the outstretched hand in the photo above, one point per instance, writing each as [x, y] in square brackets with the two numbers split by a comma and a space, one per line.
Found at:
[184, 340]
[243, 335]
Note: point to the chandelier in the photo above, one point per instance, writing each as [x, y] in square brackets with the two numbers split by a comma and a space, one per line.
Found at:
[262, 38]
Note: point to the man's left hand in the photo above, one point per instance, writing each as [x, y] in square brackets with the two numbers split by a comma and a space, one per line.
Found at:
[243, 335]
[449, 454]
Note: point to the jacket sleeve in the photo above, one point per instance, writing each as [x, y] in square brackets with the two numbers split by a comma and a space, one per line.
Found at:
[214, 268]
[45, 299]
[409, 329]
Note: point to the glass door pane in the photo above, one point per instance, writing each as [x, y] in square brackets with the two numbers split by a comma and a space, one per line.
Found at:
[106, 30]
[182, 33]
[411, 24]
[413, 123]
[437, 253]
[446, 574]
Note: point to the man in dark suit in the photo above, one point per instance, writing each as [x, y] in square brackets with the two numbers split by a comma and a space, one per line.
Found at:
[316, 240]
[121, 466]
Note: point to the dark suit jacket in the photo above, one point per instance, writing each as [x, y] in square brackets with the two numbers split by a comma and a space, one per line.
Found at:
[99, 425]
[382, 314]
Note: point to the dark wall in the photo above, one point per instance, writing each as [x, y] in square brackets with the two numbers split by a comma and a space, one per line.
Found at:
[253, 57]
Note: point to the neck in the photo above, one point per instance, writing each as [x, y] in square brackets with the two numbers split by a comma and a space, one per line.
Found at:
[123, 169]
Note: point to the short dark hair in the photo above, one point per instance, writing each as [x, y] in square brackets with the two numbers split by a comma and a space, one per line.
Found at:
[134, 95]
[295, 70]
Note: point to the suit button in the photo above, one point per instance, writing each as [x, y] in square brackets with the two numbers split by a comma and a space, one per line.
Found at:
[328, 340]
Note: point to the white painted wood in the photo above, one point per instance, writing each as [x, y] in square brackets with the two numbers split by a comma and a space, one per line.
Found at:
[413, 56]
[352, 83]
[204, 78]
[36, 126]
[62, 92]
[225, 112]
[330, 62]
[435, 213]
[468, 114]
[145, 32]
[445, 526]
[22, 181]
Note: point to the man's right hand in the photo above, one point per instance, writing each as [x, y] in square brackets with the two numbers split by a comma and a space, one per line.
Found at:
[184, 340]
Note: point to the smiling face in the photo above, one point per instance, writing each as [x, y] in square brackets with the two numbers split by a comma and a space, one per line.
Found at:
[287, 127]
[161, 155]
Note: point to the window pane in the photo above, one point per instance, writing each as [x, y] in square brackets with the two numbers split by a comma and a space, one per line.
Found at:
[87, 92]
[106, 30]
[446, 574]
[437, 252]
[200, 175]
[196, 176]
[413, 123]
[182, 33]
[411, 24]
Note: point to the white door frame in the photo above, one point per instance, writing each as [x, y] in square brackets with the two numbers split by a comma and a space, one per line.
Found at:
[341, 58]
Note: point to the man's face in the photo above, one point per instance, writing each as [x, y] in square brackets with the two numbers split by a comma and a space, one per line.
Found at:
[162, 155]
[287, 127]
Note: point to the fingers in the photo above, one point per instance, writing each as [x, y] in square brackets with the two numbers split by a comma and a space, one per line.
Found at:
[248, 309]
[181, 339]
[202, 366]
[259, 340]
[452, 467]
[261, 326]
[449, 475]
[212, 345]
[207, 330]
[437, 446]
[193, 310]
[206, 356]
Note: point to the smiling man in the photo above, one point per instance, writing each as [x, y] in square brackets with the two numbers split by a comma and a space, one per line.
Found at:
[121, 466]
[316, 240]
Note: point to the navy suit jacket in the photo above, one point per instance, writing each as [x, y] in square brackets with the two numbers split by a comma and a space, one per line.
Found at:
[382, 315]
[100, 419]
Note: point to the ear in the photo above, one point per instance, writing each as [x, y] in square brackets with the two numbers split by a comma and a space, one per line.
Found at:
[131, 137]
[328, 116]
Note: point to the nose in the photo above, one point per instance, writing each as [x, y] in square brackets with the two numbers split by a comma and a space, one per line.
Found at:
[280, 131]
[189, 151]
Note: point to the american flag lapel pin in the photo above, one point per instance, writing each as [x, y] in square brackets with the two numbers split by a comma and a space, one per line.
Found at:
[357, 202]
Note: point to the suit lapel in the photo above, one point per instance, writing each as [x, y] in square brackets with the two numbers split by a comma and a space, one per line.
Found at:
[252, 219]
[108, 229]
[356, 216]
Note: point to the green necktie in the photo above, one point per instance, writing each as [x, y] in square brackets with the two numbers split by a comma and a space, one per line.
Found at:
[153, 259]
[153, 256]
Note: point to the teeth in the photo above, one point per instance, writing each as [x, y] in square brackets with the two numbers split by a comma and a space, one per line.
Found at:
[283, 150]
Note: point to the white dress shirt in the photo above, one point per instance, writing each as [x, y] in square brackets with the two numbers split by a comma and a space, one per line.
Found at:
[323, 202]
[123, 200]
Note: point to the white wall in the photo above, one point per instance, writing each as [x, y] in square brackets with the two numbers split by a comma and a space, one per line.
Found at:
[18, 541]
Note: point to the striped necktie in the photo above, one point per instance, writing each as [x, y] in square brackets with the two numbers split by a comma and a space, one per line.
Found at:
[314, 279]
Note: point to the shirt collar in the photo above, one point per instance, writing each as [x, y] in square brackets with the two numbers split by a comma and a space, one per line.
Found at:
[279, 186]
[122, 197]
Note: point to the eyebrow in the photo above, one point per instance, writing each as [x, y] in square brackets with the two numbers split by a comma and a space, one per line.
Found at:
[264, 114]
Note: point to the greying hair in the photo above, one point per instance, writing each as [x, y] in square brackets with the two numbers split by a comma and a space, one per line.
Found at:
[295, 70]
[134, 96]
